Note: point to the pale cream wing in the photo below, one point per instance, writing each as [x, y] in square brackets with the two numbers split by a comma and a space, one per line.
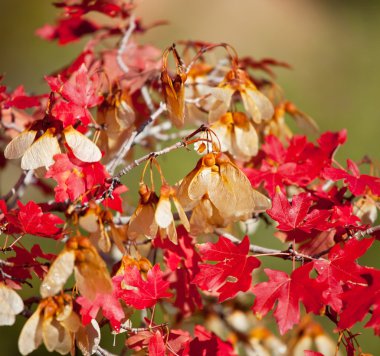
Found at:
[11, 304]
[183, 191]
[17, 147]
[72, 322]
[182, 215]
[92, 276]
[89, 222]
[58, 273]
[163, 214]
[222, 97]
[31, 337]
[262, 203]
[65, 340]
[249, 200]
[245, 143]
[224, 134]
[200, 184]
[257, 105]
[41, 152]
[143, 223]
[50, 333]
[223, 193]
[82, 147]
[306, 123]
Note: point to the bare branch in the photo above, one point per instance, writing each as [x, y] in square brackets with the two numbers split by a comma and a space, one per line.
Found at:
[17, 191]
[137, 162]
[124, 42]
[369, 231]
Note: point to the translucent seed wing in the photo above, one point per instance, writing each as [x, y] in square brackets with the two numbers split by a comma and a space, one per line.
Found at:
[17, 147]
[163, 214]
[143, 223]
[30, 337]
[200, 184]
[182, 215]
[262, 203]
[92, 276]
[257, 105]
[82, 147]
[59, 272]
[306, 123]
[50, 333]
[41, 152]
[11, 304]
[245, 143]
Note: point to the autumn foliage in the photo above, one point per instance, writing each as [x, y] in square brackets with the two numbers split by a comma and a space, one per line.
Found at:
[179, 273]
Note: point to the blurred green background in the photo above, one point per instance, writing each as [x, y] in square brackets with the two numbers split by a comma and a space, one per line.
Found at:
[333, 47]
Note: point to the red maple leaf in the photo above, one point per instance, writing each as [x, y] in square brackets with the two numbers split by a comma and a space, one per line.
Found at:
[156, 345]
[20, 100]
[107, 7]
[289, 291]
[109, 303]
[232, 273]
[26, 262]
[341, 268]
[298, 215]
[144, 294]
[300, 163]
[207, 343]
[67, 30]
[80, 92]
[81, 179]
[182, 260]
[176, 343]
[357, 183]
[143, 61]
[357, 302]
[29, 219]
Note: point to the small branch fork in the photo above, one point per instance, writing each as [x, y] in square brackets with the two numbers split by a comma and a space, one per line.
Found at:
[124, 42]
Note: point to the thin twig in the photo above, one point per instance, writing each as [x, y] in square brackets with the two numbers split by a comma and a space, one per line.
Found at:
[102, 352]
[147, 98]
[369, 231]
[124, 42]
[21, 183]
[125, 327]
[137, 162]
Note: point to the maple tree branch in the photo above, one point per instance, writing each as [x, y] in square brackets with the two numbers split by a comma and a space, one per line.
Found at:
[103, 352]
[5, 275]
[125, 327]
[369, 231]
[155, 154]
[124, 42]
[25, 179]
[147, 98]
